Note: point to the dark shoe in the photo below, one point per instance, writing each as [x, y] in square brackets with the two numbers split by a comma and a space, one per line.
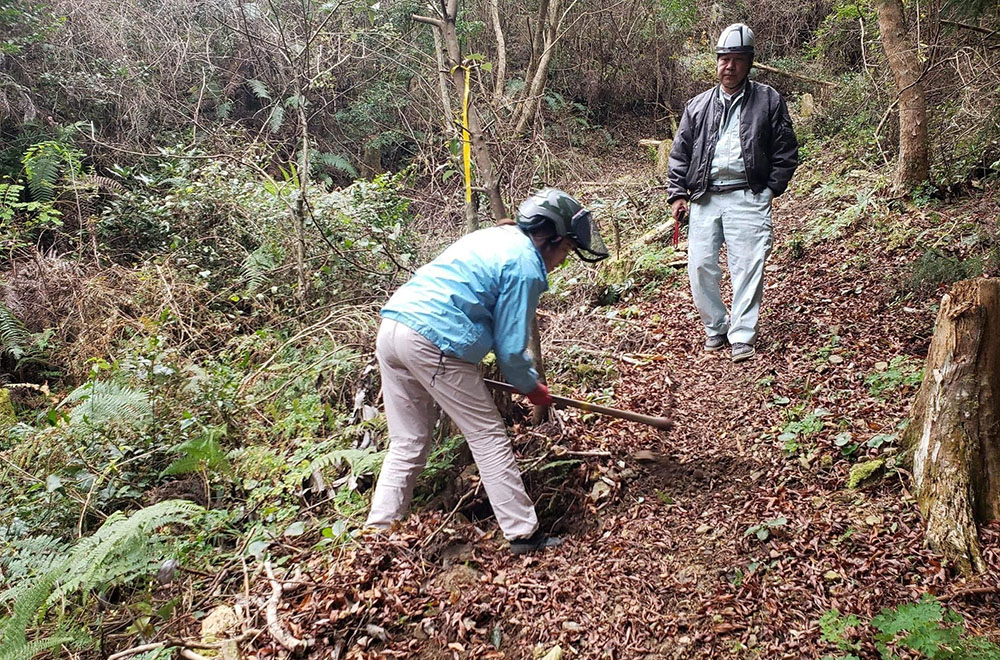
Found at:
[742, 352]
[715, 342]
[537, 541]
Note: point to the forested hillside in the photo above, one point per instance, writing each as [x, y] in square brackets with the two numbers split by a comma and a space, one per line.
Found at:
[204, 204]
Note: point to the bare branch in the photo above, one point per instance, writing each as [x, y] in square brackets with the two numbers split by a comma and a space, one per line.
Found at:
[796, 76]
[429, 21]
[975, 28]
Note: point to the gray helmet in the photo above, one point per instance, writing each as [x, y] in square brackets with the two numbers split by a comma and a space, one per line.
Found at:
[737, 38]
[567, 217]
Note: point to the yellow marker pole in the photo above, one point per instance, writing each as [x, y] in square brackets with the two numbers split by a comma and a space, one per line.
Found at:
[467, 138]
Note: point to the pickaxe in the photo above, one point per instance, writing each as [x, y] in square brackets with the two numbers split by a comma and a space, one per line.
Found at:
[662, 423]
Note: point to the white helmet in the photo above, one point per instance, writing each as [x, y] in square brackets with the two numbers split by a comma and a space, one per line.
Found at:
[737, 38]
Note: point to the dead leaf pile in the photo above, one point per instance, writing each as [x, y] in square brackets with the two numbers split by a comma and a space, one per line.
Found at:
[729, 537]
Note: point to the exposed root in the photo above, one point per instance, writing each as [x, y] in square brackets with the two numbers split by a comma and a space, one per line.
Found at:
[271, 612]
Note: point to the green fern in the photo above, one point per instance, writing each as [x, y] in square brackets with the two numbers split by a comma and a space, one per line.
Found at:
[32, 555]
[259, 89]
[930, 630]
[257, 268]
[223, 110]
[121, 548]
[15, 339]
[14, 644]
[204, 453]
[20, 649]
[361, 461]
[10, 198]
[45, 163]
[335, 161]
[276, 118]
[42, 168]
[104, 402]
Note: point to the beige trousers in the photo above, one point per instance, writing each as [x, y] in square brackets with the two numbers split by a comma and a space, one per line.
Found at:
[415, 376]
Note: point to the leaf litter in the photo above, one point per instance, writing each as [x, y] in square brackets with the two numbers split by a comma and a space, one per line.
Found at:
[719, 539]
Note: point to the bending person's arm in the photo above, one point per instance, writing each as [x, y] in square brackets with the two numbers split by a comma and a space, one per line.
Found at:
[515, 307]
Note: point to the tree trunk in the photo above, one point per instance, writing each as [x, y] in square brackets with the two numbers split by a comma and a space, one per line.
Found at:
[536, 84]
[954, 428]
[537, 47]
[501, 69]
[901, 50]
[301, 205]
[480, 148]
[439, 57]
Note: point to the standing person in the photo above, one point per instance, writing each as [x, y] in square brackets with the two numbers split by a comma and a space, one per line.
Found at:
[734, 152]
[478, 296]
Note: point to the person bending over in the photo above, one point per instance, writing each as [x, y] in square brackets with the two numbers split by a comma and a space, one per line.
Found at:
[478, 296]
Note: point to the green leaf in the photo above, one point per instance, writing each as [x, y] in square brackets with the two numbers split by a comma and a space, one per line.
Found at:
[275, 119]
[842, 439]
[258, 548]
[877, 441]
[259, 89]
[297, 528]
[335, 161]
[335, 531]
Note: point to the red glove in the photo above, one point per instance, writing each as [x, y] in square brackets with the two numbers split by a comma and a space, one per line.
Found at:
[540, 396]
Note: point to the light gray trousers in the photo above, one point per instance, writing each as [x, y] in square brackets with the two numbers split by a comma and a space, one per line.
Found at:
[741, 220]
[415, 375]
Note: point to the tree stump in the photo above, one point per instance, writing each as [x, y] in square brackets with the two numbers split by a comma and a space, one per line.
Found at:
[954, 429]
[662, 153]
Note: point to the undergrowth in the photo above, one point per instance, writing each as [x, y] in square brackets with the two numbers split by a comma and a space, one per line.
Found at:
[925, 629]
[185, 372]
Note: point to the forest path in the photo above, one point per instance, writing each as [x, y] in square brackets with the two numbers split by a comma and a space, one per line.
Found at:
[731, 535]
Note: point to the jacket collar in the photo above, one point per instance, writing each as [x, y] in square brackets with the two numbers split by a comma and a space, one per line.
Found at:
[748, 87]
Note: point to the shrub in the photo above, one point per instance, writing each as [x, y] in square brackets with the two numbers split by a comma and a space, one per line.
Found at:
[935, 269]
[901, 372]
[924, 629]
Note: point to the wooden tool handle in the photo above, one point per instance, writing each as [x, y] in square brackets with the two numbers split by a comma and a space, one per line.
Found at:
[662, 423]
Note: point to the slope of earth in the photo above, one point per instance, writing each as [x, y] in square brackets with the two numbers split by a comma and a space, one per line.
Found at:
[731, 535]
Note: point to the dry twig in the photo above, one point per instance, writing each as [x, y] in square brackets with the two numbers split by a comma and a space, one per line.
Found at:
[271, 612]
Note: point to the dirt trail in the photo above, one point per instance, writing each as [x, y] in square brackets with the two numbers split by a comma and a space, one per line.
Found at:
[660, 565]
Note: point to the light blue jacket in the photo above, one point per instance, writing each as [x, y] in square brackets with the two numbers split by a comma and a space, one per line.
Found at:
[478, 296]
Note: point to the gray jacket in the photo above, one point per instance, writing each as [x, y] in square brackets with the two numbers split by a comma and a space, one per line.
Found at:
[770, 151]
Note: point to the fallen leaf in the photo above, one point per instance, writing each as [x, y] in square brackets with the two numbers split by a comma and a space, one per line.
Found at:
[556, 653]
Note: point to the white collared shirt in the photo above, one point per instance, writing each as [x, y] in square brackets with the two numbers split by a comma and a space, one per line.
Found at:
[728, 167]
